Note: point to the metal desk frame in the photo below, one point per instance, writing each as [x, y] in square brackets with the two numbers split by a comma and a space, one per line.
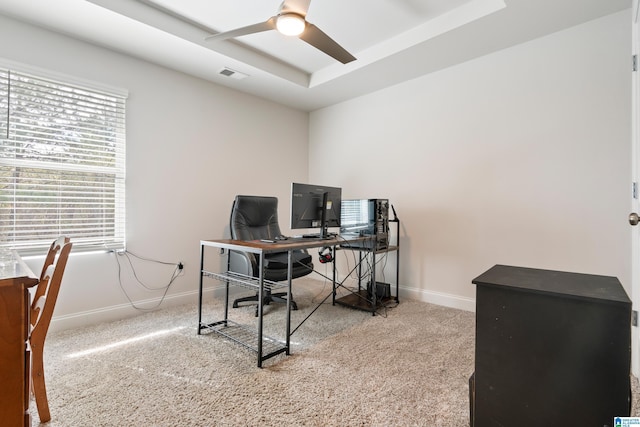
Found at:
[265, 347]
[360, 299]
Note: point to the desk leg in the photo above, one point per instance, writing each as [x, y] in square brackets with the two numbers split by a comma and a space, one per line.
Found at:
[398, 275]
[374, 288]
[260, 309]
[333, 298]
[289, 275]
[226, 301]
[200, 288]
[359, 271]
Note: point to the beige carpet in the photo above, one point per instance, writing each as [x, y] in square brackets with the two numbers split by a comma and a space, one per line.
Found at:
[408, 366]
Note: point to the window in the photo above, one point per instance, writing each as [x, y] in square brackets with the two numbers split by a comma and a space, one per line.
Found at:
[62, 164]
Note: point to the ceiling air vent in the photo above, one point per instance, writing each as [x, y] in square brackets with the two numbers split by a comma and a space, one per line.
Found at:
[228, 72]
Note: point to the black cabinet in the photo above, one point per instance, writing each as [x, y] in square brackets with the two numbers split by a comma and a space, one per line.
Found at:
[552, 349]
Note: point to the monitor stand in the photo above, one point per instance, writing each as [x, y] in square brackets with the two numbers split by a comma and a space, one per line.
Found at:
[324, 228]
[324, 232]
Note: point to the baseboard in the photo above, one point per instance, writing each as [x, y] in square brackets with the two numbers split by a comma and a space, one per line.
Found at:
[438, 298]
[122, 311]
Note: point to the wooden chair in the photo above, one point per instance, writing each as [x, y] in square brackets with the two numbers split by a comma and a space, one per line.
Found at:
[44, 302]
[54, 249]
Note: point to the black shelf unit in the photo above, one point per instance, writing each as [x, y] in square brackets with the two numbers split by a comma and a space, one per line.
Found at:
[363, 298]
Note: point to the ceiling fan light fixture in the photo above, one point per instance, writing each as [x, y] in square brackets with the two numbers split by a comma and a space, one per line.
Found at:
[290, 24]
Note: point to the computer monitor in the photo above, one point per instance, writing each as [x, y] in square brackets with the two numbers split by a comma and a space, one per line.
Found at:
[358, 217]
[315, 206]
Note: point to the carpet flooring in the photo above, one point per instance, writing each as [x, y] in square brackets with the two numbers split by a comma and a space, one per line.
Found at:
[407, 366]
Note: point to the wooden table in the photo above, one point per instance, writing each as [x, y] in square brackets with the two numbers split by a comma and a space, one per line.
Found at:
[15, 359]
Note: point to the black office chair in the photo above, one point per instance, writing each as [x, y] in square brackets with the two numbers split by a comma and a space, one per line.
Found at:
[253, 218]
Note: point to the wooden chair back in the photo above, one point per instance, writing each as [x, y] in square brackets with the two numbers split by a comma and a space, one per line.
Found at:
[43, 307]
[44, 303]
[54, 250]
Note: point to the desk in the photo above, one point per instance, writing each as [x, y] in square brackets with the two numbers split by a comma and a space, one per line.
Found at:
[265, 347]
[15, 359]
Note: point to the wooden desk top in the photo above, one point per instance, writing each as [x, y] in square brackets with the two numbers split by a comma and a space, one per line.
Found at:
[292, 243]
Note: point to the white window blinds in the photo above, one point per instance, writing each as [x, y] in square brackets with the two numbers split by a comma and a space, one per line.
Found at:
[354, 212]
[62, 164]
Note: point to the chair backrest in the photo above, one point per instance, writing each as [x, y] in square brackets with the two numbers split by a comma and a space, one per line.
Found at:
[254, 217]
[54, 249]
[42, 306]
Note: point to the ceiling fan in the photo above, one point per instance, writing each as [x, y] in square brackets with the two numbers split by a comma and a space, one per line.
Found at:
[290, 20]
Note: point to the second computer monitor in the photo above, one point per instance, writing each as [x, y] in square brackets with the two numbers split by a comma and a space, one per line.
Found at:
[315, 206]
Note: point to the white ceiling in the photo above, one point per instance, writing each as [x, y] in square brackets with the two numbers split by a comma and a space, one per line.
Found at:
[393, 40]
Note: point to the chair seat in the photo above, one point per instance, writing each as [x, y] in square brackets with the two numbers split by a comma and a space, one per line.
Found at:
[277, 266]
[280, 260]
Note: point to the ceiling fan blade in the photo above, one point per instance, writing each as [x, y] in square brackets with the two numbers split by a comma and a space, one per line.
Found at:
[318, 39]
[299, 7]
[269, 24]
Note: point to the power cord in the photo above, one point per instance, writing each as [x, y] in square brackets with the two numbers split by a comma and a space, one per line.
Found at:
[178, 271]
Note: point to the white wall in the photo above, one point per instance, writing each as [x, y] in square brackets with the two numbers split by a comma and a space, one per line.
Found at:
[521, 157]
[191, 146]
